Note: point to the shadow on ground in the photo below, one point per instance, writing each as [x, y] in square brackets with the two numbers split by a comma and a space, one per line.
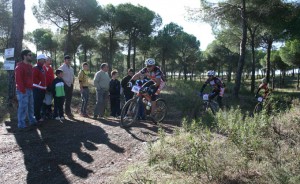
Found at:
[54, 145]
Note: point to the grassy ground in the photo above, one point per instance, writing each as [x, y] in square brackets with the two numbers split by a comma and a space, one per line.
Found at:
[230, 147]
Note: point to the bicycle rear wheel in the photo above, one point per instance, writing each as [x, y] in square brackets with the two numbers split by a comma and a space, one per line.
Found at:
[129, 113]
[161, 111]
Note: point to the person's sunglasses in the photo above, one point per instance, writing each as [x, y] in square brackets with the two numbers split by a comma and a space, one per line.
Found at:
[149, 66]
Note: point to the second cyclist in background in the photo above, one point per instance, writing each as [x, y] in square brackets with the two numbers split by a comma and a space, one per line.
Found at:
[264, 86]
[217, 85]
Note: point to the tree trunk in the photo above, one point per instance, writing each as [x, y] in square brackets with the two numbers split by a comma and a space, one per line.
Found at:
[269, 42]
[68, 39]
[242, 52]
[16, 38]
[74, 61]
[128, 52]
[298, 77]
[134, 53]
[252, 34]
[111, 50]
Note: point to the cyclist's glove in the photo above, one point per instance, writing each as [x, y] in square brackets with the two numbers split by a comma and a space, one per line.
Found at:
[151, 89]
[139, 82]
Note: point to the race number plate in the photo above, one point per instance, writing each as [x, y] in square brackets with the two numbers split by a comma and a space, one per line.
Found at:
[260, 99]
[205, 97]
[135, 89]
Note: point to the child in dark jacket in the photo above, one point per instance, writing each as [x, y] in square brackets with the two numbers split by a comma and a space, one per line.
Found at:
[114, 91]
[58, 95]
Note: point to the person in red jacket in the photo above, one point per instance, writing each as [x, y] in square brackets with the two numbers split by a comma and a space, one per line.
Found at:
[39, 86]
[46, 110]
[23, 79]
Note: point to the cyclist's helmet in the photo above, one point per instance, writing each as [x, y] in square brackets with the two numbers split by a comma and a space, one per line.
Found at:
[149, 62]
[264, 80]
[211, 73]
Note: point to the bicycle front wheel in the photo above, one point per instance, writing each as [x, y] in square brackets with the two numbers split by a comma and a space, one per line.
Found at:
[129, 113]
[161, 111]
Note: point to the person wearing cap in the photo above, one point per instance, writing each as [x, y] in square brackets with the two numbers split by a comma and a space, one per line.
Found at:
[23, 79]
[39, 86]
[47, 111]
[127, 90]
[101, 82]
[68, 78]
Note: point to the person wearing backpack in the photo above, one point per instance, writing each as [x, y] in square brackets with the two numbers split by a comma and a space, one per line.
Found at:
[218, 87]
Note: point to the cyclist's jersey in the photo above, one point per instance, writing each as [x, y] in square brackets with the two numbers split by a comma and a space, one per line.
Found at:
[152, 75]
[265, 87]
[216, 84]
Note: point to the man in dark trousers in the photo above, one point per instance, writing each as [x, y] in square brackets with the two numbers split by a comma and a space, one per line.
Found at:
[39, 86]
[68, 77]
[127, 90]
[114, 94]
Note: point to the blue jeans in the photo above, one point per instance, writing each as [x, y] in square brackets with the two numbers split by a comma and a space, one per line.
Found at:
[25, 108]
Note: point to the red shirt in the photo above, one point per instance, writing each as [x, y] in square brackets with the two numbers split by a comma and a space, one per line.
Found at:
[23, 76]
[49, 75]
[39, 77]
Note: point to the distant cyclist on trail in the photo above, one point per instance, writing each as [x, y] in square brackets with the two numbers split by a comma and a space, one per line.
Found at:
[264, 86]
[155, 83]
[217, 85]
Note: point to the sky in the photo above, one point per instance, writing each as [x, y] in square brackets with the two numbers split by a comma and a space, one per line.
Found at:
[169, 10]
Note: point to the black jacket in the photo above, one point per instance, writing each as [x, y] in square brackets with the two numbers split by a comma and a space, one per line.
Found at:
[114, 88]
[124, 83]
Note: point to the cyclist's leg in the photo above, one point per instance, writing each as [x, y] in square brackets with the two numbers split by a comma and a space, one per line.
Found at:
[153, 103]
[219, 100]
[212, 95]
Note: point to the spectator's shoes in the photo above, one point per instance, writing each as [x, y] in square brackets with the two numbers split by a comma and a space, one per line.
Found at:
[62, 118]
[57, 118]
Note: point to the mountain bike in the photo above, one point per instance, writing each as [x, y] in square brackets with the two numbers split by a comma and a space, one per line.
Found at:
[206, 106]
[142, 102]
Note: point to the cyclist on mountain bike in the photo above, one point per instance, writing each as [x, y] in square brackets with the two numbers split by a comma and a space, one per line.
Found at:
[264, 86]
[217, 85]
[155, 83]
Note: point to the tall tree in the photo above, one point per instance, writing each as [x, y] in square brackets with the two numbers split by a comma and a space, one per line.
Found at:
[5, 23]
[166, 42]
[16, 38]
[188, 48]
[68, 15]
[136, 22]
[110, 24]
[290, 54]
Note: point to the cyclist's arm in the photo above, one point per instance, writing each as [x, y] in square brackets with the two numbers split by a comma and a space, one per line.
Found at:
[157, 81]
[136, 76]
[203, 87]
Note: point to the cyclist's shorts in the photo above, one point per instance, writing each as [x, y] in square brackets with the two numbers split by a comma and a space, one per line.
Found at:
[153, 96]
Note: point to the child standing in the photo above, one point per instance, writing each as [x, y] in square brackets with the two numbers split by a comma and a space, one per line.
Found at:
[84, 88]
[58, 95]
[114, 90]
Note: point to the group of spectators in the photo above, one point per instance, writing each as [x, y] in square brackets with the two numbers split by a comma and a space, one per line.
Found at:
[37, 87]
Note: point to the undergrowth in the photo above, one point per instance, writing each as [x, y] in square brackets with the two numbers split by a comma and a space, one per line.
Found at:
[230, 147]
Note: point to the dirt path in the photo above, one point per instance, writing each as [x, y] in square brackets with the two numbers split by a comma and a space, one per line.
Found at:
[78, 150]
